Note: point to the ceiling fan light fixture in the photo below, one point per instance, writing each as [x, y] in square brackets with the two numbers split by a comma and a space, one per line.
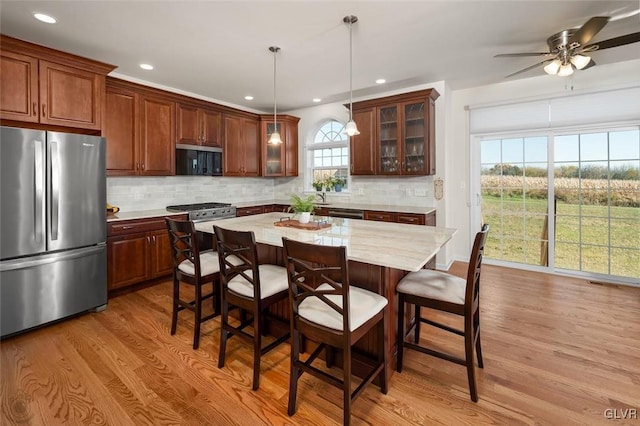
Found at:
[565, 70]
[580, 61]
[274, 139]
[553, 67]
[351, 129]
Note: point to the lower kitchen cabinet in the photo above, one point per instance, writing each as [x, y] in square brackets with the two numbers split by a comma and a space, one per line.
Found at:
[137, 250]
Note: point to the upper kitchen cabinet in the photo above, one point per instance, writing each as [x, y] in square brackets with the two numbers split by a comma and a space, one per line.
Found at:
[241, 146]
[282, 159]
[403, 142]
[197, 125]
[140, 130]
[49, 87]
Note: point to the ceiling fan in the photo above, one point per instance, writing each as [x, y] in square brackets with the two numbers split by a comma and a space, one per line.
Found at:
[568, 49]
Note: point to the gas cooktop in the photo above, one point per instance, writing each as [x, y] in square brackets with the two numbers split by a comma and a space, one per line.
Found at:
[205, 211]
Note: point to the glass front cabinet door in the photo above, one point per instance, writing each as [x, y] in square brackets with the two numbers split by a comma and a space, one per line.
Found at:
[404, 142]
[274, 158]
[280, 159]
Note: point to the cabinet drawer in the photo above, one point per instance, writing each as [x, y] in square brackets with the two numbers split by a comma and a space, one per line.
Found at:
[248, 211]
[380, 216]
[416, 219]
[139, 225]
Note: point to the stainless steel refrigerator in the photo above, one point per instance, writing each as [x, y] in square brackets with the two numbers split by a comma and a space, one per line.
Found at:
[53, 261]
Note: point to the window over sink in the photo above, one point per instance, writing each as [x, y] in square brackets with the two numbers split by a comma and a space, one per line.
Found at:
[328, 154]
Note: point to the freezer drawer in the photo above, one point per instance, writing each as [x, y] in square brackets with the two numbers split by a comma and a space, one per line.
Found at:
[38, 290]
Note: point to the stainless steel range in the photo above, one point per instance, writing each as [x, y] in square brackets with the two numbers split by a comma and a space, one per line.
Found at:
[205, 211]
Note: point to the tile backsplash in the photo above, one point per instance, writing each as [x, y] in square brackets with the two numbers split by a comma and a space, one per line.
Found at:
[147, 193]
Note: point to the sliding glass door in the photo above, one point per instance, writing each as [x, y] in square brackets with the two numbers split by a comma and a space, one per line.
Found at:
[591, 193]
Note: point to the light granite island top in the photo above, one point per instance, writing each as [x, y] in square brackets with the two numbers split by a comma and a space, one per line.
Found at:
[394, 245]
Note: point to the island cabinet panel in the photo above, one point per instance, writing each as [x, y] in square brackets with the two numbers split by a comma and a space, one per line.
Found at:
[362, 147]
[415, 219]
[157, 135]
[281, 159]
[138, 250]
[241, 146]
[49, 87]
[198, 126]
[379, 216]
[403, 136]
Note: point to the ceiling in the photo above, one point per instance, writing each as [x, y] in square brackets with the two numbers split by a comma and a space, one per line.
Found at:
[219, 49]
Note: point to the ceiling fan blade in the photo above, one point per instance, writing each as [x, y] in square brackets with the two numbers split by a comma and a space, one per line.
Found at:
[588, 30]
[615, 42]
[528, 68]
[511, 55]
[589, 65]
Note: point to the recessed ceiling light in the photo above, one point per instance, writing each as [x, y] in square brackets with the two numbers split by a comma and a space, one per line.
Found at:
[249, 97]
[317, 100]
[44, 18]
[381, 81]
[147, 67]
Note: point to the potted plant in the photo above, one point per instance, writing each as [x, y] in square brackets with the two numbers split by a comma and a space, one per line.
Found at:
[302, 206]
[338, 183]
[318, 185]
[328, 183]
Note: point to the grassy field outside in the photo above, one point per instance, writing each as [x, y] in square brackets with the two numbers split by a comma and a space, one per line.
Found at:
[590, 238]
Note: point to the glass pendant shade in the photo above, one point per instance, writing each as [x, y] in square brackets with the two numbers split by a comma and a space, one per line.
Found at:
[580, 61]
[552, 67]
[351, 129]
[565, 70]
[275, 138]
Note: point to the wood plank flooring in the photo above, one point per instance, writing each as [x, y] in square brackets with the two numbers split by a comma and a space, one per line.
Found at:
[557, 351]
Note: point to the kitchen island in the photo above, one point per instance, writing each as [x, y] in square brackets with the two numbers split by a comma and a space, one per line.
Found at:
[379, 253]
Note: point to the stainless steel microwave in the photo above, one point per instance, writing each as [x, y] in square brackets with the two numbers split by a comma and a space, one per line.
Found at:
[195, 160]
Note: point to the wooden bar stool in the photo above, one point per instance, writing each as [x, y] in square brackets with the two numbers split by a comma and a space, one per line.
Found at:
[328, 310]
[448, 293]
[249, 286]
[195, 268]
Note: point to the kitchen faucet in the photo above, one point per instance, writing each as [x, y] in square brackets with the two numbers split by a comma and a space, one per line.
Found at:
[322, 195]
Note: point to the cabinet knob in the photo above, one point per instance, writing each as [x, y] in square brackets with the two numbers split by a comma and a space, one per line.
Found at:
[142, 166]
[44, 110]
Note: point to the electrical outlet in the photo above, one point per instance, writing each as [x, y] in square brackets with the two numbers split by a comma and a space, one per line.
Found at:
[138, 196]
[407, 192]
[421, 192]
[361, 191]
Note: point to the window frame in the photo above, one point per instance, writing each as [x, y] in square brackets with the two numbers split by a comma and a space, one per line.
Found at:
[311, 146]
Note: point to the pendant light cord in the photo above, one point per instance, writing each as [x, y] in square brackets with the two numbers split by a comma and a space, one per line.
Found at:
[275, 107]
[350, 69]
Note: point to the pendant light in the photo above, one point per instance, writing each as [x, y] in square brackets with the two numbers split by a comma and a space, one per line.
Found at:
[275, 136]
[351, 129]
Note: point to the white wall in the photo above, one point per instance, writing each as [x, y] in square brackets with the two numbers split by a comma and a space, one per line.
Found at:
[601, 77]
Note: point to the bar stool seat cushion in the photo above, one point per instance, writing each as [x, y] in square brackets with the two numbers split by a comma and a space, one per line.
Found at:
[434, 285]
[209, 264]
[363, 305]
[273, 279]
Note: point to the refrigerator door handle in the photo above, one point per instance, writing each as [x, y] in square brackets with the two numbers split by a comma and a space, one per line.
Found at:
[31, 262]
[55, 189]
[39, 190]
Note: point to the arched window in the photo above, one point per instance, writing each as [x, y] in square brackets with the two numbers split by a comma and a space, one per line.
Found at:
[328, 153]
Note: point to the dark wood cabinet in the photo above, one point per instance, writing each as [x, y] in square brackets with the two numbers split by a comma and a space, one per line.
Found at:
[379, 216]
[415, 219]
[282, 159]
[241, 146]
[397, 133]
[198, 126]
[49, 87]
[362, 146]
[138, 250]
[157, 131]
[121, 129]
[140, 131]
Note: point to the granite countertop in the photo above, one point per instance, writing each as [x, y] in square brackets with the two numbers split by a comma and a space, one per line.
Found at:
[407, 247]
[140, 214]
[355, 206]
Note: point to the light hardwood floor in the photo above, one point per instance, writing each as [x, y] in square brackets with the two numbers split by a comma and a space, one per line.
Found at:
[557, 351]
